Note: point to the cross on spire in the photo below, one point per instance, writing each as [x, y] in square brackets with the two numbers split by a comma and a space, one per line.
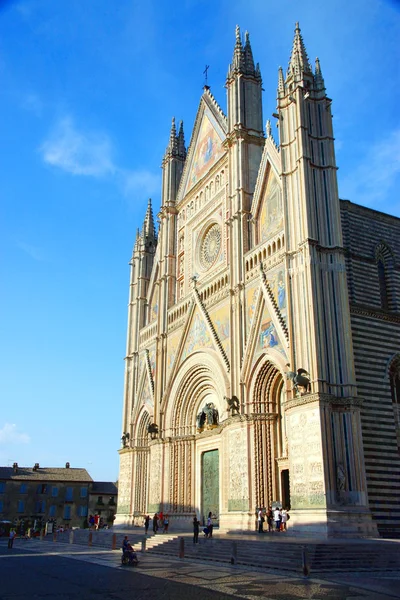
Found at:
[205, 73]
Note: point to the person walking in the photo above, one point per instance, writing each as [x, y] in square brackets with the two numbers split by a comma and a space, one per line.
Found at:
[11, 537]
[210, 525]
[196, 525]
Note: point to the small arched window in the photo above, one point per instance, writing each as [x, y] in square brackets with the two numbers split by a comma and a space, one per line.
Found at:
[382, 284]
[385, 267]
[394, 377]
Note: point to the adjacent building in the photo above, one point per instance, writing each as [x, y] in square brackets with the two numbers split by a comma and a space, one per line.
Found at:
[263, 346]
[64, 495]
[103, 498]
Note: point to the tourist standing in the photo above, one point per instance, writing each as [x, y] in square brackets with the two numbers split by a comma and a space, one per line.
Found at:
[155, 523]
[284, 513]
[270, 518]
[260, 519]
[210, 525]
[196, 524]
[166, 523]
[11, 537]
[146, 523]
[277, 518]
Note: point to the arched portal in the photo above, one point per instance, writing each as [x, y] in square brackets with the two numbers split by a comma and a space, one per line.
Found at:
[200, 380]
[267, 397]
[141, 463]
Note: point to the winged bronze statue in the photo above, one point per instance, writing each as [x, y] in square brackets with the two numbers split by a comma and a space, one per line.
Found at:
[301, 379]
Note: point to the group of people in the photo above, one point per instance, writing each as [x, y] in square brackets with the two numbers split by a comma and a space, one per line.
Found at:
[160, 521]
[96, 522]
[208, 530]
[276, 519]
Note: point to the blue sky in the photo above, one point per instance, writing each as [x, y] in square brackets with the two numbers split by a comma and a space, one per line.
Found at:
[87, 93]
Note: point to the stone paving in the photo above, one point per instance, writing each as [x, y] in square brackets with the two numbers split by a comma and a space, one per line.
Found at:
[240, 582]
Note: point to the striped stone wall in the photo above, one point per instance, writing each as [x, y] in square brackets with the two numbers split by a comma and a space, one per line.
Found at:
[376, 340]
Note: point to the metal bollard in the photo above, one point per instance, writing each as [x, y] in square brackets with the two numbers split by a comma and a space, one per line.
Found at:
[304, 560]
[181, 547]
[114, 541]
[90, 538]
[71, 536]
[143, 545]
[54, 537]
[234, 553]
[41, 535]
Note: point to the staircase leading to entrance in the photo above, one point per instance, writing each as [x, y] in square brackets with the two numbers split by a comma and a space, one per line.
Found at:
[285, 556]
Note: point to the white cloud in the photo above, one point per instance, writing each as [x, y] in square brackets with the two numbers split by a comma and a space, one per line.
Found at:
[375, 177]
[78, 153]
[10, 435]
[91, 154]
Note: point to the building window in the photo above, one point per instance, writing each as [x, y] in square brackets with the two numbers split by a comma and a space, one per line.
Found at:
[69, 493]
[41, 488]
[40, 506]
[52, 510]
[394, 376]
[22, 488]
[84, 492]
[385, 268]
[54, 491]
[2, 487]
[82, 511]
[100, 500]
[21, 506]
[67, 512]
[1, 506]
[382, 284]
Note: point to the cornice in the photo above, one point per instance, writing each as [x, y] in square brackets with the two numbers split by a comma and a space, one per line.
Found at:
[373, 313]
[324, 400]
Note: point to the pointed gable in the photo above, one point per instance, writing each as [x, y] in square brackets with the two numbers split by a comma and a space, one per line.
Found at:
[206, 145]
[198, 337]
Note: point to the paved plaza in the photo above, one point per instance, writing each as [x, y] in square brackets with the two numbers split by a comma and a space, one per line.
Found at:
[56, 566]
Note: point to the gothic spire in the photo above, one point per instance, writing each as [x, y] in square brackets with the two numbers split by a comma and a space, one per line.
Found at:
[319, 80]
[238, 54]
[172, 147]
[243, 61]
[181, 141]
[248, 54]
[298, 62]
[149, 230]
[137, 241]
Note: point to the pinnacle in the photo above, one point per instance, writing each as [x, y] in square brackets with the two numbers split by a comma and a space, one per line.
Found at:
[242, 61]
[298, 62]
[149, 230]
[181, 141]
[319, 80]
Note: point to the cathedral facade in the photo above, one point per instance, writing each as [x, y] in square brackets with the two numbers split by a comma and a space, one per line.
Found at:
[263, 347]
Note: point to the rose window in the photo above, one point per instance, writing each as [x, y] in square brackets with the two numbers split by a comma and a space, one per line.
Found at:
[210, 246]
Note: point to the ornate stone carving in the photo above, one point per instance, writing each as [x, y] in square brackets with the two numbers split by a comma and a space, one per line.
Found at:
[155, 476]
[210, 246]
[238, 484]
[125, 482]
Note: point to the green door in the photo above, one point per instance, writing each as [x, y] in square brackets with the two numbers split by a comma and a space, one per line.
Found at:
[210, 485]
